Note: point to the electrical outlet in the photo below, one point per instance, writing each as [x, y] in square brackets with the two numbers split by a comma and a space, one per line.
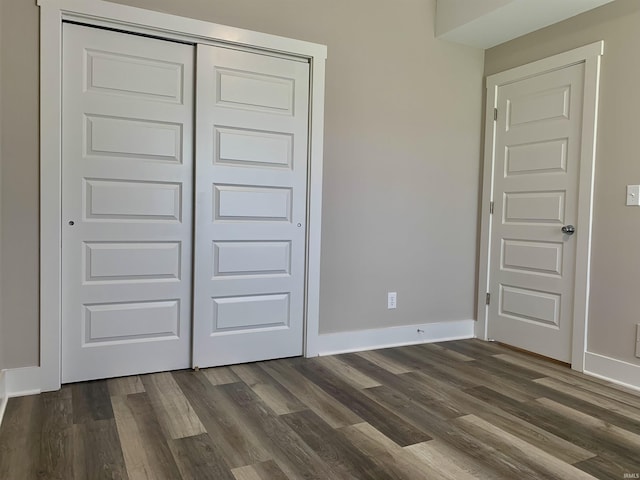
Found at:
[633, 195]
[638, 340]
[392, 300]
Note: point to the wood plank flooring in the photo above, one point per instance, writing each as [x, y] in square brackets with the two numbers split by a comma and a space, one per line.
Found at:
[454, 410]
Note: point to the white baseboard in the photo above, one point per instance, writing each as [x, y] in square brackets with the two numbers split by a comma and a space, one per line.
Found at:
[3, 394]
[22, 381]
[18, 382]
[612, 370]
[357, 341]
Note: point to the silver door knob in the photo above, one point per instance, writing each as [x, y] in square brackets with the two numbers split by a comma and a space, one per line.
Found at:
[569, 229]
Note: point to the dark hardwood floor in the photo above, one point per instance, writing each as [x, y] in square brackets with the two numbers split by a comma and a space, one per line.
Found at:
[455, 410]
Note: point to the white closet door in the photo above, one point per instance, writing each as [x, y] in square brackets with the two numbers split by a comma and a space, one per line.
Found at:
[251, 163]
[127, 204]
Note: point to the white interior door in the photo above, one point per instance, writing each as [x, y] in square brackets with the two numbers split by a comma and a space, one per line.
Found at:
[251, 161]
[536, 172]
[127, 204]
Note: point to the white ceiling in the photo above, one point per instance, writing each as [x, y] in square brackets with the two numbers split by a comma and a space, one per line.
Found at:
[487, 23]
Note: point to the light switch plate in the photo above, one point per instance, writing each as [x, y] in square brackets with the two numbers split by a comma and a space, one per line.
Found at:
[392, 300]
[633, 195]
[638, 340]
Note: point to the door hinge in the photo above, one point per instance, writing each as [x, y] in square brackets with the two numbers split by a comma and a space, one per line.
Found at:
[491, 204]
[495, 114]
[488, 300]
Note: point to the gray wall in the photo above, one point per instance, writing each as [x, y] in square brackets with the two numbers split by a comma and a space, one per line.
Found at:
[19, 214]
[1, 322]
[615, 302]
[402, 143]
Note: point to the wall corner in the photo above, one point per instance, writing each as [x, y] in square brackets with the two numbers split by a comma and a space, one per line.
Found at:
[3, 394]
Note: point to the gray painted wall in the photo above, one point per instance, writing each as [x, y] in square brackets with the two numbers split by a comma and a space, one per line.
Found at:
[1, 322]
[401, 176]
[615, 302]
[19, 202]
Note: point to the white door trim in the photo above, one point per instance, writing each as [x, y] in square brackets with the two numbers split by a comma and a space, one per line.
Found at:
[589, 55]
[101, 13]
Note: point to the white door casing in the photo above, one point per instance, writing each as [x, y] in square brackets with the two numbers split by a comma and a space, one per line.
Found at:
[188, 30]
[126, 203]
[251, 163]
[539, 173]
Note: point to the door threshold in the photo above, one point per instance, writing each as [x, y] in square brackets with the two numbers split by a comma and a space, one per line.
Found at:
[533, 354]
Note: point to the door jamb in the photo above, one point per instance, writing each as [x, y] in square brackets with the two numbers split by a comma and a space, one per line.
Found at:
[590, 55]
[103, 13]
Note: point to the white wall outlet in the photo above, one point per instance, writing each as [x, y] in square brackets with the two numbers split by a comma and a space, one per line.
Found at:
[392, 300]
[638, 340]
[633, 195]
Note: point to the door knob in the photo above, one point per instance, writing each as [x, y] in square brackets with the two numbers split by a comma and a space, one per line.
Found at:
[569, 229]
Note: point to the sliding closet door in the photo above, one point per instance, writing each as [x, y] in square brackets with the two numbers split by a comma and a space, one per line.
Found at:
[127, 204]
[251, 177]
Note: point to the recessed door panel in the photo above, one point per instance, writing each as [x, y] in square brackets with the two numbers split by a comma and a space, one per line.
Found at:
[538, 106]
[132, 261]
[133, 200]
[535, 158]
[143, 77]
[530, 305]
[251, 258]
[532, 257]
[133, 139]
[250, 312]
[245, 203]
[534, 207]
[237, 146]
[131, 322]
[127, 176]
[255, 91]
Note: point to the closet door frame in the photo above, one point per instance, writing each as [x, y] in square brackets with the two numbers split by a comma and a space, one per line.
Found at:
[136, 20]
